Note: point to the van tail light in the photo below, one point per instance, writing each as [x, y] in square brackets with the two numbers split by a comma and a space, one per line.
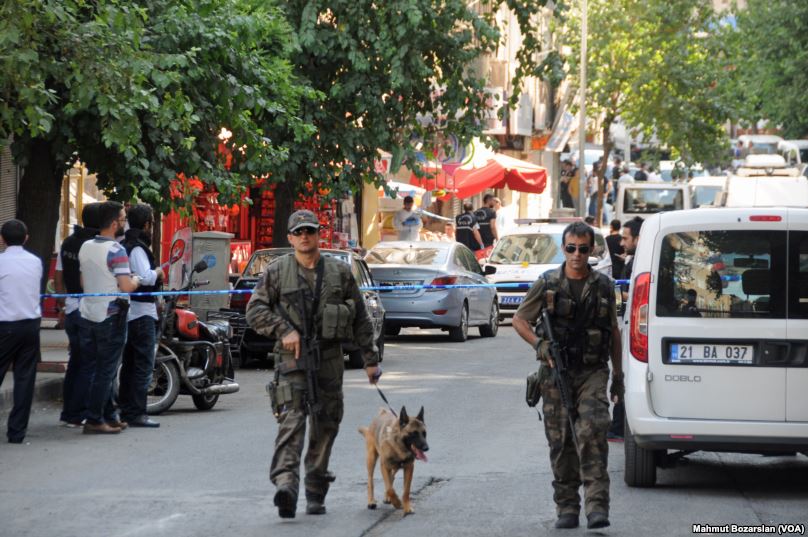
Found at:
[443, 280]
[765, 218]
[639, 317]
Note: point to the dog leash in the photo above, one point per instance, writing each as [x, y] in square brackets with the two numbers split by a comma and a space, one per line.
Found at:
[385, 400]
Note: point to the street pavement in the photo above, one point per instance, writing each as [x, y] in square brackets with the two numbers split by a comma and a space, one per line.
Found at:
[206, 473]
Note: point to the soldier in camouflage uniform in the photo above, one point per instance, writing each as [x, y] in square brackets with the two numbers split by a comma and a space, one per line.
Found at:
[581, 304]
[282, 302]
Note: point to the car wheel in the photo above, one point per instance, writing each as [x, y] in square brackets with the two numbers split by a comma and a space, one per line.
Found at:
[640, 468]
[491, 329]
[461, 333]
[392, 330]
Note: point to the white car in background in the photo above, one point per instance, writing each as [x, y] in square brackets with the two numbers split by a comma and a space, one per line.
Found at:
[707, 190]
[533, 247]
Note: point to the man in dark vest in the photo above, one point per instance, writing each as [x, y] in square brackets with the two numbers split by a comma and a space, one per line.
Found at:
[487, 218]
[138, 355]
[581, 305]
[467, 230]
[67, 279]
[301, 293]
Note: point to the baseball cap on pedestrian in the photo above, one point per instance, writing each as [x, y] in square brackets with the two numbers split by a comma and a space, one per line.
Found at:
[301, 219]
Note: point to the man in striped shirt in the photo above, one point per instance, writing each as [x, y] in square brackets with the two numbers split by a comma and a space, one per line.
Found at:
[104, 270]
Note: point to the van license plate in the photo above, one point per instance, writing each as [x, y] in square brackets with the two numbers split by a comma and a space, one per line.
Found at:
[707, 353]
[511, 300]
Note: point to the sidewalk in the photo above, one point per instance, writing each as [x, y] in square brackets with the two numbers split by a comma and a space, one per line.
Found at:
[50, 372]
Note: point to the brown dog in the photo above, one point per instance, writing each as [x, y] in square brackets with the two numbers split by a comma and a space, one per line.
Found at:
[397, 442]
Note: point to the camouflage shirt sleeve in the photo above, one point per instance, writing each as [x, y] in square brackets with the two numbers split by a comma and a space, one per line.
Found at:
[362, 327]
[262, 315]
[531, 306]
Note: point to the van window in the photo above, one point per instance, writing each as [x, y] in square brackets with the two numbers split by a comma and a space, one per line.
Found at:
[652, 200]
[723, 274]
[798, 275]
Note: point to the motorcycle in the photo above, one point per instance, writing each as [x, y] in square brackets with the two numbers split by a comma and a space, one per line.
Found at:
[193, 357]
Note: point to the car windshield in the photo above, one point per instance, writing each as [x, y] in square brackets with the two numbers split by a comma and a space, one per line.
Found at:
[704, 195]
[386, 255]
[534, 249]
[652, 200]
[259, 263]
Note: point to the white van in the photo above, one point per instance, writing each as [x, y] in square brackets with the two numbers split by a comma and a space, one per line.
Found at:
[715, 346]
[766, 181]
[644, 199]
[756, 144]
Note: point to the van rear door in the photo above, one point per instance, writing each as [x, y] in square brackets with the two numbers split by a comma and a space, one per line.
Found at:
[797, 327]
[717, 331]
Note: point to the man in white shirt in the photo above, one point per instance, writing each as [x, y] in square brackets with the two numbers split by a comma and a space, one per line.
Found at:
[138, 355]
[104, 270]
[20, 315]
[407, 221]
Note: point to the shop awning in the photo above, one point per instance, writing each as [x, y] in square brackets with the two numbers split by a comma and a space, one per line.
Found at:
[496, 171]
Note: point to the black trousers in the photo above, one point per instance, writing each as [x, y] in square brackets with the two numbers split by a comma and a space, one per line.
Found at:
[19, 346]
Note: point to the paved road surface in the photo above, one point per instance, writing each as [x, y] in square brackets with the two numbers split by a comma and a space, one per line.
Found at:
[205, 473]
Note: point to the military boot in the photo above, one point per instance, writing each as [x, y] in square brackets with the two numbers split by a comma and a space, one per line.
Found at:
[566, 522]
[286, 501]
[597, 520]
[315, 504]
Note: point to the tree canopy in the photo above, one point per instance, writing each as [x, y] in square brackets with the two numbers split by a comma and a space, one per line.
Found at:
[770, 46]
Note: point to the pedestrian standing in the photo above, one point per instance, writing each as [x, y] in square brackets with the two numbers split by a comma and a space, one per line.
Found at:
[300, 293]
[630, 237]
[613, 240]
[487, 220]
[104, 270]
[67, 278]
[564, 184]
[641, 174]
[581, 304]
[20, 316]
[407, 221]
[141, 335]
[467, 230]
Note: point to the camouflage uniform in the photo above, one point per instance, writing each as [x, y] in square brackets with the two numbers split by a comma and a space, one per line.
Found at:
[275, 290]
[588, 344]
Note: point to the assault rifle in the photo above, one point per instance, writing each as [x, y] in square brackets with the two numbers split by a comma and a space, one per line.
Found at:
[560, 375]
[309, 362]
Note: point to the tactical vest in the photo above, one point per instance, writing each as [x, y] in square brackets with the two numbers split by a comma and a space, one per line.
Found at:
[463, 231]
[71, 270]
[131, 241]
[484, 215]
[333, 320]
[585, 328]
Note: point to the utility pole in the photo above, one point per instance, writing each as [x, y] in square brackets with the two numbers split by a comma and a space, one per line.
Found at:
[582, 117]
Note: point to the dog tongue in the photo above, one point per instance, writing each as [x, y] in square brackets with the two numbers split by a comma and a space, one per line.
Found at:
[420, 455]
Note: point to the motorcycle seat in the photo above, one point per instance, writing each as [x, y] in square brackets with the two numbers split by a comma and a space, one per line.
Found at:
[215, 330]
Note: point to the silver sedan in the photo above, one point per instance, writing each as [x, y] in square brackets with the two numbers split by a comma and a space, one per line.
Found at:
[402, 263]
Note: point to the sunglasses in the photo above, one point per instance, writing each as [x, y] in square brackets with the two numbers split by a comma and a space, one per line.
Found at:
[305, 231]
[582, 248]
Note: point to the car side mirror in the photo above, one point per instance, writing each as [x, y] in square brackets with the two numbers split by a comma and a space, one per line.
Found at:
[489, 269]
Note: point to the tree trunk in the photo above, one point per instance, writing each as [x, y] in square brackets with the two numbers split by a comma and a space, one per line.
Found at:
[39, 199]
[284, 206]
[601, 182]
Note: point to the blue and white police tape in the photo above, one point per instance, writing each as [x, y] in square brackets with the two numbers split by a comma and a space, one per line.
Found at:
[509, 285]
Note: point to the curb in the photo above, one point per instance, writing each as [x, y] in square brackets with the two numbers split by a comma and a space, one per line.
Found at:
[45, 390]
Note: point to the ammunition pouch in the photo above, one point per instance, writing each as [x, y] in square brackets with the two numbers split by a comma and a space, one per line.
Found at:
[534, 382]
[281, 396]
[338, 321]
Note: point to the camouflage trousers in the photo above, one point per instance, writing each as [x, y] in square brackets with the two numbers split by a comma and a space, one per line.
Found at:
[285, 469]
[570, 468]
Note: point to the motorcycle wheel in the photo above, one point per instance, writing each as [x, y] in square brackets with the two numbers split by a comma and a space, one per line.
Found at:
[164, 388]
[205, 402]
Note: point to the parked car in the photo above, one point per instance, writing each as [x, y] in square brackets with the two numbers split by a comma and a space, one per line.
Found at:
[760, 144]
[644, 199]
[255, 346]
[714, 344]
[529, 250]
[399, 263]
[766, 181]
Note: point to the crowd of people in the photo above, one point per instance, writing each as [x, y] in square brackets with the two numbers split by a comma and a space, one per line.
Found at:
[103, 259]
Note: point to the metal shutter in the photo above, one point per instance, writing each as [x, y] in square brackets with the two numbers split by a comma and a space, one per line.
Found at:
[8, 185]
